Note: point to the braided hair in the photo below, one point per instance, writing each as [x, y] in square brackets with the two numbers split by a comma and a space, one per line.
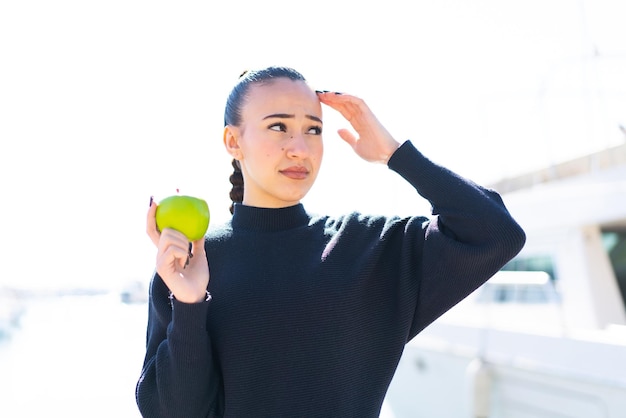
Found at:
[236, 179]
[232, 113]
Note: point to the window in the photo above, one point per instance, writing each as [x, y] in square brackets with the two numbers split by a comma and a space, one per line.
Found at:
[532, 263]
[615, 245]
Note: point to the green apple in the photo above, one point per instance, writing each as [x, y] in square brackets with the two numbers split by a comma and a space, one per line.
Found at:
[187, 214]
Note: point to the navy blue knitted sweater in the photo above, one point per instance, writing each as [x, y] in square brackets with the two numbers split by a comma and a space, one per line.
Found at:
[310, 315]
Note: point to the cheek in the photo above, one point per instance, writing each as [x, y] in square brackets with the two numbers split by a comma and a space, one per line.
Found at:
[265, 151]
[319, 151]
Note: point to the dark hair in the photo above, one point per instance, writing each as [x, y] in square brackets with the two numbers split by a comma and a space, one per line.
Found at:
[232, 112]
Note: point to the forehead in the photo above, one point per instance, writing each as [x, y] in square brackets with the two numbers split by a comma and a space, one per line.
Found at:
[282, 96]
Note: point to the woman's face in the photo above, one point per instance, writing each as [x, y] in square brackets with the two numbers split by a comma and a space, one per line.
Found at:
[279, 143]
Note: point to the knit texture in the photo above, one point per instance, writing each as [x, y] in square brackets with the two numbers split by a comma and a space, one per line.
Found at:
[310, 314]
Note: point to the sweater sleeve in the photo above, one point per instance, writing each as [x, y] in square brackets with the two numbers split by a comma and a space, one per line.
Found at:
[178, 377]
[469, 238]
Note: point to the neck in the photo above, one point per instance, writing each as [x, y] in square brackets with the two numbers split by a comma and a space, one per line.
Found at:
[269, 219]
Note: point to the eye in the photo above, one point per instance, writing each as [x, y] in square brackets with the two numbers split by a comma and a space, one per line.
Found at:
[278, 127]
[315, 130]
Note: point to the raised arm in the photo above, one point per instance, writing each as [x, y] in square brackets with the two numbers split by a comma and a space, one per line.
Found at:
[471, 235]
[469, 238]
[179, 377]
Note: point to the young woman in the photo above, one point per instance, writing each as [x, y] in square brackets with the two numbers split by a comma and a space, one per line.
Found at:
[307, 316]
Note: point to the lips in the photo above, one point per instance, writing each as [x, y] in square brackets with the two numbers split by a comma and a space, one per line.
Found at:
[295, 172]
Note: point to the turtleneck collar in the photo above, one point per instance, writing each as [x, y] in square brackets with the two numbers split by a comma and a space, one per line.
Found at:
[269, 219]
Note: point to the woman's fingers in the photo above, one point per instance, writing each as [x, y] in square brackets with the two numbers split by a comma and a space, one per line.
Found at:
[197, 249]
[171, 259]
[151, 226]
[349, 106]
[172, 238]
[186, 277]
[347, 136]
[198, 266]
[354, 110]
[173, 249]
[373, 142]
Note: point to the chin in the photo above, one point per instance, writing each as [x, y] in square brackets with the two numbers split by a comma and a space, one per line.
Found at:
[295, 197]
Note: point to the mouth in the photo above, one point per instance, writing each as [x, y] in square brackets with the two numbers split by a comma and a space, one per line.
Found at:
[295, 173]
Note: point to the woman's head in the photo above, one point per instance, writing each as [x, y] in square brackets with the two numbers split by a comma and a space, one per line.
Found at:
[273, 126]
[239, 93]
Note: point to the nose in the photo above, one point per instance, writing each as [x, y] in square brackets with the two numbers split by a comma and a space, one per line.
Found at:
[298, 146]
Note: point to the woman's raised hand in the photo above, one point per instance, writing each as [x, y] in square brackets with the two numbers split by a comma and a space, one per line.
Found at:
[374, 143]
[185, 272]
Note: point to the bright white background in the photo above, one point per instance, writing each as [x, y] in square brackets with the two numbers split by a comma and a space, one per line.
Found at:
[103, 104]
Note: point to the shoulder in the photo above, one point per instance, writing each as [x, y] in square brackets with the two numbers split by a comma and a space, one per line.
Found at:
[219, 232]
[357, 222]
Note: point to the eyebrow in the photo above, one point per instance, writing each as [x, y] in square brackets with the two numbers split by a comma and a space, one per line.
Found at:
[288, 116]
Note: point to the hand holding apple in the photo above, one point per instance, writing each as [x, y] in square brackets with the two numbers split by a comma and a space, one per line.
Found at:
[179, 221]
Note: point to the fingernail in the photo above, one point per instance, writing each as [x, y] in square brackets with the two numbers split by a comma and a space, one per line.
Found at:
[151, 200]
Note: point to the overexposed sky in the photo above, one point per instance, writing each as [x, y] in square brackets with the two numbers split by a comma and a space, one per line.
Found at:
[103, 104]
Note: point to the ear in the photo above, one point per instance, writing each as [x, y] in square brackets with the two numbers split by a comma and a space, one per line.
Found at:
[231, 141]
